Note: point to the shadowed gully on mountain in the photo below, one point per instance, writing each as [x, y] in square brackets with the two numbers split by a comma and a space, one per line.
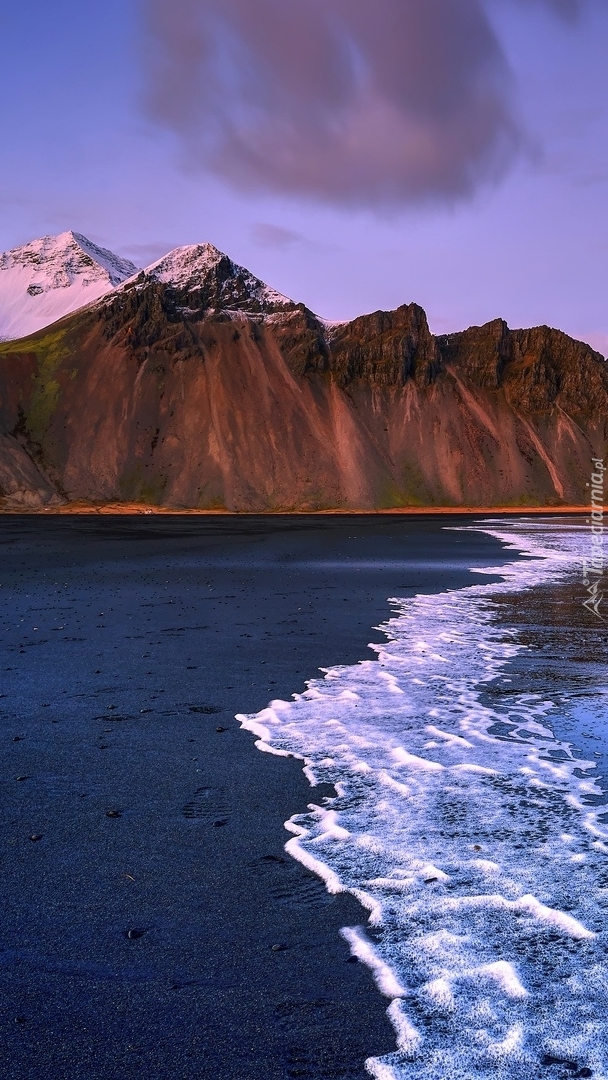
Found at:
[192, 384]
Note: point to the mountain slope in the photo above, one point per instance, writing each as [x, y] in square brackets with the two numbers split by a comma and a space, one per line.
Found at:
[50, 277]
[193, 385]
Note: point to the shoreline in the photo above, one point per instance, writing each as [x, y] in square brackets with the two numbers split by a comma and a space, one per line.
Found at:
[77, 508]
[130, 645]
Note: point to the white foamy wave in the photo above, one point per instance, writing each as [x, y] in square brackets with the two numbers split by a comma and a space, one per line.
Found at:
[470, 833]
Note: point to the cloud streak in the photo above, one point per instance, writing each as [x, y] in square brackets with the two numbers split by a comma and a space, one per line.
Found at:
[275, 236]
[351, 102]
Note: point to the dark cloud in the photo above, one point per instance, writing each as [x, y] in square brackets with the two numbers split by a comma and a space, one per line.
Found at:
[367, 102]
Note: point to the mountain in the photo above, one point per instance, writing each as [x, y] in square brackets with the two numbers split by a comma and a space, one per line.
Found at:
[192, 384]
[204, 275]
[50, 277]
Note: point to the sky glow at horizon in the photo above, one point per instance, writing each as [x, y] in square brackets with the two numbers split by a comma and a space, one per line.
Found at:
[84, 148]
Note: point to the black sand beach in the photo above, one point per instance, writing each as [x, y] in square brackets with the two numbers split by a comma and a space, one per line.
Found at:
[144, 881]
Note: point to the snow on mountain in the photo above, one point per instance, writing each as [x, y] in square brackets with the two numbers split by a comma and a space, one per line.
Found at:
[204, 270]
[52, 276]
[186, 266]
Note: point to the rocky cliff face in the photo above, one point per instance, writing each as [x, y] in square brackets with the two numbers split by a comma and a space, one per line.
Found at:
[386, 349]
[538, 370]
[194, 385]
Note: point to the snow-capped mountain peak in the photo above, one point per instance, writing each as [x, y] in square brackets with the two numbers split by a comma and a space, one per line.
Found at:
[186, 266]
[214, 281]
[52, 276]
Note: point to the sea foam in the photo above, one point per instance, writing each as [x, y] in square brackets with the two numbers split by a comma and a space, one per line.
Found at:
[470, 833]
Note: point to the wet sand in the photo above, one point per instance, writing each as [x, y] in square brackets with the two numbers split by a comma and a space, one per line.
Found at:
[138, 929]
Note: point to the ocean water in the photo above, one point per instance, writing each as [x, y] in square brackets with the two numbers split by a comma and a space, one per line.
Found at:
[471, 819]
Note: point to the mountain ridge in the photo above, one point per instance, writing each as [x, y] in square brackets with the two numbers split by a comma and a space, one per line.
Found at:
[193, 385]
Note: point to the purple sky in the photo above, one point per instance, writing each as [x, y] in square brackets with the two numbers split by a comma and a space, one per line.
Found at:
[355, 154]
